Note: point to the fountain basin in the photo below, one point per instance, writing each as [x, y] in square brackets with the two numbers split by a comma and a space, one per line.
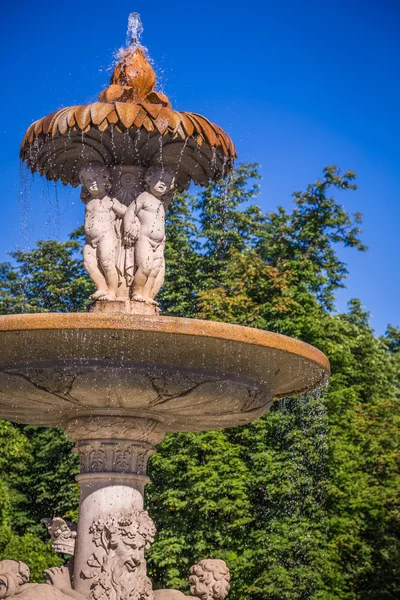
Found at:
[185, 374]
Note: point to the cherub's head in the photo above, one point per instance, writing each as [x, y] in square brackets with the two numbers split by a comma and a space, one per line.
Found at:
[209, 580]
[13, 574]
[159, 180]
[95, 179]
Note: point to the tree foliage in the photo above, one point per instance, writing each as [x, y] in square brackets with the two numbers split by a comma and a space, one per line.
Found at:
[303, 503]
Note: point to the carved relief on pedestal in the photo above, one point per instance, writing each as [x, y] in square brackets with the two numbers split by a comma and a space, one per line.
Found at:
[118, 567]
[114, 456]
[114, 444]
[122, 458]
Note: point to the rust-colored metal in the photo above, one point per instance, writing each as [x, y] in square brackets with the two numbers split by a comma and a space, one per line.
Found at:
[132, 80]
[129, 103]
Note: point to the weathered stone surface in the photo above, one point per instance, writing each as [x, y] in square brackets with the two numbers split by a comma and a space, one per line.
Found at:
[114, 427]
[127, 182]
[113, 528]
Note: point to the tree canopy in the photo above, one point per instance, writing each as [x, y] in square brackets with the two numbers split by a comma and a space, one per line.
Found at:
[303, 503]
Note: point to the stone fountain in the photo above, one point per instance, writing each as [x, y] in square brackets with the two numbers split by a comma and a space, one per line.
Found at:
[121, 376]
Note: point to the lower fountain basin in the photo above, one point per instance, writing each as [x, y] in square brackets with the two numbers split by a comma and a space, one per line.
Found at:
[187, 374]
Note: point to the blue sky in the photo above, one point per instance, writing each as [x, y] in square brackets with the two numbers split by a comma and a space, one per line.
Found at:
[297, 85]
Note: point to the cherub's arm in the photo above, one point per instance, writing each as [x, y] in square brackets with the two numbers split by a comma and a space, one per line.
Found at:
[131, 221]
[118, 208]
[138, 204]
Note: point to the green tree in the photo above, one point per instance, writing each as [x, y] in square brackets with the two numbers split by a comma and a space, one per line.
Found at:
[16, 540]
[50, 278]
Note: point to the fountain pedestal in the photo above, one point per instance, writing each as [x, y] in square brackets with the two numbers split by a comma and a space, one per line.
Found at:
[113, 529]
[124, 307]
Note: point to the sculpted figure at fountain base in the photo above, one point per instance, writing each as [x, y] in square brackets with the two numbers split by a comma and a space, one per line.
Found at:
[14, 582]
[209, 580]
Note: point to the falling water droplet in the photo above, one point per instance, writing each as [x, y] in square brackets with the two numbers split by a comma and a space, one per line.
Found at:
[180, 158]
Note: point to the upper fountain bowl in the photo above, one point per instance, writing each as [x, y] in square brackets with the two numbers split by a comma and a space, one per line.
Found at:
[186, 374]
[133, 124]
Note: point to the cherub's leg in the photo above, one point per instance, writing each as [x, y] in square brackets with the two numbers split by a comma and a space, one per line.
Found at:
[159, 280]
[144, 258]
[150, 289]
[106, 252]
[92, 267]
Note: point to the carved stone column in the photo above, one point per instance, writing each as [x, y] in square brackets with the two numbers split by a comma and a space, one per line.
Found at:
[113, 528]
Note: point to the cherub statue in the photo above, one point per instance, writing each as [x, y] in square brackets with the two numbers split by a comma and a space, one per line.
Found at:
[101, 230]
[14, 581]
[209, 580]
[144, 226]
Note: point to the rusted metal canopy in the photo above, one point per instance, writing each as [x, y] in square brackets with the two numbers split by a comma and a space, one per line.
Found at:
[131, 124]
